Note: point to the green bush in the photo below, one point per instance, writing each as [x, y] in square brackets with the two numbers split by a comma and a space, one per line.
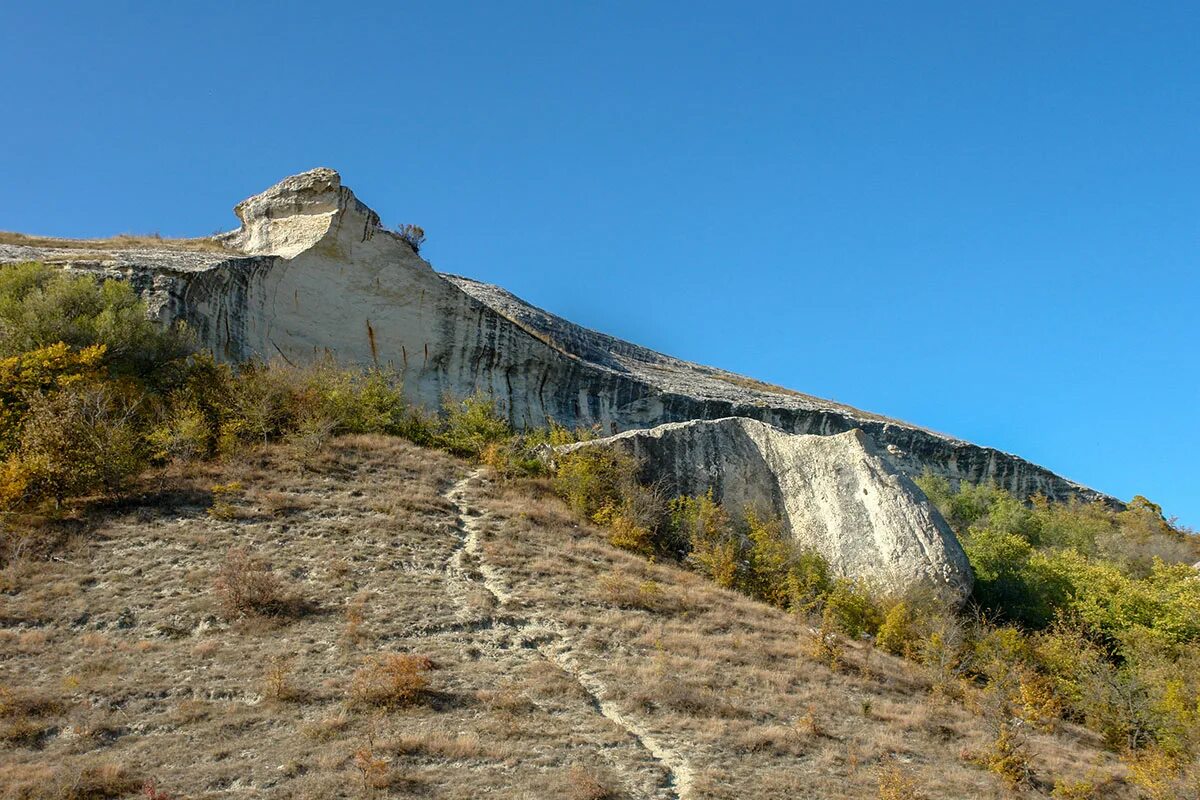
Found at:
[850, 609]
[592, 478]
[472, 426]
[1105, 610]
[899, 631]
[42, 306]
[76, 441]
[1009, 581]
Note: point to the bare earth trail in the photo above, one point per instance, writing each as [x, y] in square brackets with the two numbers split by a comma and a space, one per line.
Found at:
[554, 640]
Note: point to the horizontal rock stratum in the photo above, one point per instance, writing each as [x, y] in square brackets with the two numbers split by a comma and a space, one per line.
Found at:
[311, 271]
[834, 494]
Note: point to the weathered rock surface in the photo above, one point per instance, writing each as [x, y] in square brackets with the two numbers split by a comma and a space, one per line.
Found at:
[314, 273]
[834, 494]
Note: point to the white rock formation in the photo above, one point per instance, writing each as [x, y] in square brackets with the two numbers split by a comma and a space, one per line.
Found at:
[834, 494]
[298, 213]
[311, 272]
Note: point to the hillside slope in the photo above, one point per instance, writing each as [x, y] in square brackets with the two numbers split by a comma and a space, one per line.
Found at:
[311, 271]
[561, 667]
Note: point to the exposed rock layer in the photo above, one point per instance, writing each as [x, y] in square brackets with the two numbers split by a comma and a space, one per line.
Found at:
[320, 275]
[834, 494]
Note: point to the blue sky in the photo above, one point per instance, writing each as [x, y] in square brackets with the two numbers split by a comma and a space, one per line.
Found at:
[979, 218]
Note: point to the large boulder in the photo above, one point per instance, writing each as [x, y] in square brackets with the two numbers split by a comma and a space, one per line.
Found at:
[835, 494]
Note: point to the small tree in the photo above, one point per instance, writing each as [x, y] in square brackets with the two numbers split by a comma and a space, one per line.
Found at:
[414, 235]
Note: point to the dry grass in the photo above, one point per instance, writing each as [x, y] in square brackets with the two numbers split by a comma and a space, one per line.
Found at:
[586, 784]
[28, 716]
[751, 383]
[90, 781]
[245, 584]
[708, 672]
[363, 533]
[112, 654]
[125, 241]
[390, 680]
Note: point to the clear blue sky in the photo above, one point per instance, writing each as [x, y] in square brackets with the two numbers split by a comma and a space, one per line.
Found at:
[981, 218]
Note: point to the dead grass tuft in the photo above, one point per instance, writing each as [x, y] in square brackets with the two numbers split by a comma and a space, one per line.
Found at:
[25, 715]
[326, 728]
[623, 592]
[356, 609]
[438, 744]
[391, 680]
[91, 781]
[507, 700]
[583, 783]
[124, 241]
[778, 740]
[246, 585]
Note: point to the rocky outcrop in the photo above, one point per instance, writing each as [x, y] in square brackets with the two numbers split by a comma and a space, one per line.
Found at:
[834, 494]
[310, 272]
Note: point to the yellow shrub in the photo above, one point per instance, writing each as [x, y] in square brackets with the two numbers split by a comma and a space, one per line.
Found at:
[623, 531]
[898, 633]
[38, 372]
[14, 483]
[896, 784]
[1008, 757]
[1039, 704]
[1073, 790]
[1155, 772]
[75, 441]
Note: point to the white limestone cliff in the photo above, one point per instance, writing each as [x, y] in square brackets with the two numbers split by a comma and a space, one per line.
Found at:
[310, 272]
[834, 494]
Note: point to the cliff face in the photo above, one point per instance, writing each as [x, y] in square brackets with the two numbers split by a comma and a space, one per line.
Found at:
[310, 271]
[834, 494]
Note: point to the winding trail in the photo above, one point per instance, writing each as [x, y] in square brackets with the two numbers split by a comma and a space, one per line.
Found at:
[552, 639]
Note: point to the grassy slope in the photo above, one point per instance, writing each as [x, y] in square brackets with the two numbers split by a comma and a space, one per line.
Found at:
[564, 667]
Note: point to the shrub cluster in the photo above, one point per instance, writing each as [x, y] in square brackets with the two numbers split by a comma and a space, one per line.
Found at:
[751, 553]
[413, 235]
[92, 393]
[1096, 616]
